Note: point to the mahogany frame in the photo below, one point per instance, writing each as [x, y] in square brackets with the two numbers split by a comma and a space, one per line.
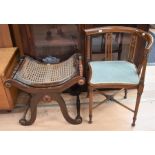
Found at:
[54, 92]
[141, 67]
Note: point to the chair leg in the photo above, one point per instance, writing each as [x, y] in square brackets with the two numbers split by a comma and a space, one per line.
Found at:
[125, 93]
[139, 93]
[90, 104]
[78, 107]
[33, 110]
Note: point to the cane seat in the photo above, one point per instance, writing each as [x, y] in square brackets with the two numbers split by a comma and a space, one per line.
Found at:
[37, 74]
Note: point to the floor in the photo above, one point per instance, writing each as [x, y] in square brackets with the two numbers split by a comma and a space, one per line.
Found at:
[108, 116]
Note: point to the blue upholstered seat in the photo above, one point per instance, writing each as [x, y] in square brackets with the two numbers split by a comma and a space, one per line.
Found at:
[118, 72]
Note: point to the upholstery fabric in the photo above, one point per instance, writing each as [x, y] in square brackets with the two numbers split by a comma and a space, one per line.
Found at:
[121, 72]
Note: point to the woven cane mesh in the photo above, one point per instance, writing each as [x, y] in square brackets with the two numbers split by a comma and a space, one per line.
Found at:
[35, 73]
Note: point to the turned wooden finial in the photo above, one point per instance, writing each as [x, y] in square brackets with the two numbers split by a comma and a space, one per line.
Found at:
[80, 66]
[81, 81]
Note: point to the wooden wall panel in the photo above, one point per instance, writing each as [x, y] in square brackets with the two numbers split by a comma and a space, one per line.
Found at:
[5, 37]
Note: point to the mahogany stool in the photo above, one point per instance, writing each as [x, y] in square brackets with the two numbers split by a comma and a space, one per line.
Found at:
[47, 81]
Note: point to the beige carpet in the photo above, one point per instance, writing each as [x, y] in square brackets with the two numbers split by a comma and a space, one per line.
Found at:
[108, 116]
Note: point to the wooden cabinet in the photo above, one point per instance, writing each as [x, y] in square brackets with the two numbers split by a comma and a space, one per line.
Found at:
[8, 60]
[5, 36]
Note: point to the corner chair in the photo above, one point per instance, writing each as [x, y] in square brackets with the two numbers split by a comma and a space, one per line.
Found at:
[117, 74]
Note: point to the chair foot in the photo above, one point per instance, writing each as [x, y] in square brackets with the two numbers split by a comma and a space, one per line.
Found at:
[90, 122]
[24, 122]
[79, 119]
[133, 123]
[90, 119]
[125, 93]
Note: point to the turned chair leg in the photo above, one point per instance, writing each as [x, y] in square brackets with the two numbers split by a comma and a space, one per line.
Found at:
[33, 111]
[90, 104]
[139, 93]
[125, 93]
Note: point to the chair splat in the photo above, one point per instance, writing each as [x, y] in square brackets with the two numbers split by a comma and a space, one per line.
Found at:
[132, 47]
[108, 46]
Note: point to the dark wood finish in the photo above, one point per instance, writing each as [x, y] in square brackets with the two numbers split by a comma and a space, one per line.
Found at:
[141, 65]
[23, 38]
[54, 92]
[60, 41]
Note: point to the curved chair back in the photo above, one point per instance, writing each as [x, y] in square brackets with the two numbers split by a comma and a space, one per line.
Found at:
[138, 38]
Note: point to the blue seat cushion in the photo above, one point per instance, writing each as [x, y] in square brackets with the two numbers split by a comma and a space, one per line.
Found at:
[113, 72]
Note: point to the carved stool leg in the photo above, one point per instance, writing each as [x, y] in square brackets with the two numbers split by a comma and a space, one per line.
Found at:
[64, 110]
[33, 110]
[90, 104]
[139, 93]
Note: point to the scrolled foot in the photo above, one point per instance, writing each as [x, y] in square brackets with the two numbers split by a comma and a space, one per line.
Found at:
[23, 121]
[79, 119]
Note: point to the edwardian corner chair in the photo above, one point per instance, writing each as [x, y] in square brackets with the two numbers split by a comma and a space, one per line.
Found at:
[118, 74]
